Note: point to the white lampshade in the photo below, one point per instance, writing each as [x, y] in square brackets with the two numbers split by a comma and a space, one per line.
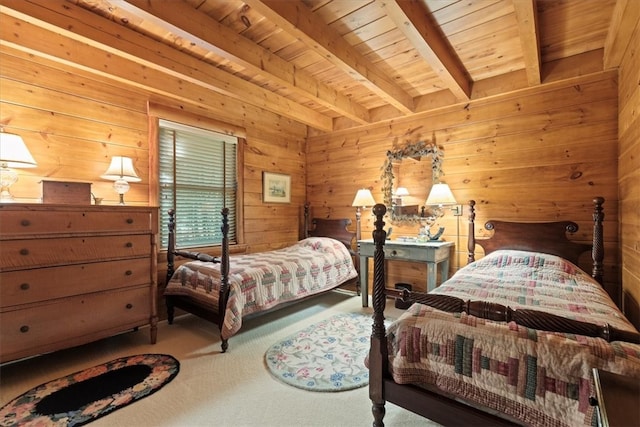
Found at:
[402, 191]
[121, 168]
[14, 153]
[440, 195]
[363, 198]
[122, 172]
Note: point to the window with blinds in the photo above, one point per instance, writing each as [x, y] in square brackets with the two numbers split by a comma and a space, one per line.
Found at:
[198, 177]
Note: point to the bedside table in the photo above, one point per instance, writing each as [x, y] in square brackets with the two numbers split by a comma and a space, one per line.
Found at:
[434, 253]
[617, 399]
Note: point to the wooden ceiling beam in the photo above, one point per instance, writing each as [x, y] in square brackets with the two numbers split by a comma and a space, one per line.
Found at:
[412, 19]
[183, 20]
[127, 47]
[527, 17]
[298, 20]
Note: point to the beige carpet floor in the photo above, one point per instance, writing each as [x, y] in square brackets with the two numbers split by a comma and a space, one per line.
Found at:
[213, 388]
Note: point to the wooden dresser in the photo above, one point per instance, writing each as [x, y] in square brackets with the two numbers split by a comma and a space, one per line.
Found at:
[74, 274]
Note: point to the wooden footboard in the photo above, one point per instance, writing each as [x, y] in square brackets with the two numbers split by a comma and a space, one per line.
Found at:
[525, 317]
[184, 303]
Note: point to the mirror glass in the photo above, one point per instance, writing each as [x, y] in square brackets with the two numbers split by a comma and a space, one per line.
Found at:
[407, 176]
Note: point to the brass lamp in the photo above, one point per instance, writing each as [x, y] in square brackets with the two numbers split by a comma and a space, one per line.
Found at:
[122, 172]
[362, 200]
[13, 154]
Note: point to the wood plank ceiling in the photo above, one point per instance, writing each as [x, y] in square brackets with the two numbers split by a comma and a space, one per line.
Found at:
[331, 64]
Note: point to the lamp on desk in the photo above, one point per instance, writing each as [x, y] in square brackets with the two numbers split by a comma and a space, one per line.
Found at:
[13, 154]
[122, 172]
[399, 194]
[439, 197]
[363, 199]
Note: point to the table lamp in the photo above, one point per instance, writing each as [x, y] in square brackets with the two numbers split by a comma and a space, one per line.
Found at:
[362, 200]
[13, 154]
[122, 172]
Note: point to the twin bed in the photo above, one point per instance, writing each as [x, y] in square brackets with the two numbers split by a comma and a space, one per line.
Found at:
[510, 339]
[226, 290]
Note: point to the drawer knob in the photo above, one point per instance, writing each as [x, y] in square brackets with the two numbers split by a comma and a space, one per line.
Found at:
[24, 286]
[129, 220]
[128, 273]
[25, 223]
[129, 245]
[24, 251]
[394, 253]
[129, 306]
[24, 329]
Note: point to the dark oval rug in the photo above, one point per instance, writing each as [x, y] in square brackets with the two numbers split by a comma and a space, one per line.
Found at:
[86, 395]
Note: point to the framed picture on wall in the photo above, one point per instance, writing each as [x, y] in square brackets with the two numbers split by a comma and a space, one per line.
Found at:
[276, 188]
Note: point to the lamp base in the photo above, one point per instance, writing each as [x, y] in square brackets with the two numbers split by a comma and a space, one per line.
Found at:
[6, 196]
[8, 177]
[121, 186]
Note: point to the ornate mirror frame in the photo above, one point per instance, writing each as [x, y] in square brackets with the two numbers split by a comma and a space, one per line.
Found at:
[418, 149]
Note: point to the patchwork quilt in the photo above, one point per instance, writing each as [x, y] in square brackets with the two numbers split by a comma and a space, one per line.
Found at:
[539, 378]
[260, 281]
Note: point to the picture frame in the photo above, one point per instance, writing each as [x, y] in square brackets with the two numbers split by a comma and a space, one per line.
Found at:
[276, 187]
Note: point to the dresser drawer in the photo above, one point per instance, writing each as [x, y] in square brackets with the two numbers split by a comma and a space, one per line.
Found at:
[41, 222]
[17, 254]
[72, 321]
[29, 286]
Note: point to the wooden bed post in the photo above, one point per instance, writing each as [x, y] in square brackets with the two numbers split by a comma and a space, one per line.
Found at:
[171, 247]
[306, 221]
[471, 240]
[597, 252]
[224, 273]
[378, 353]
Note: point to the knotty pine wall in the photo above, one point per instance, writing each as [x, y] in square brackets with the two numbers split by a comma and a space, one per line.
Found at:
[629, 175]
[73, 122]
[538, 154]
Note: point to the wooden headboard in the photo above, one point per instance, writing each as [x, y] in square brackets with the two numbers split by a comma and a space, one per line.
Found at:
[546, 237]
[334, 228]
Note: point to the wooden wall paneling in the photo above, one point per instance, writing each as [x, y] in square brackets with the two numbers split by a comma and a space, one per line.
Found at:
[629, 159]
[42, 72]
[537, 154]
[77, 119]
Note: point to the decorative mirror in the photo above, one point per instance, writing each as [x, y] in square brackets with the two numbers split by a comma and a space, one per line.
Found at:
[407, 176]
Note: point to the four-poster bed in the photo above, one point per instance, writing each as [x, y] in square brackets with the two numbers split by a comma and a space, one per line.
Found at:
[510, 339]
[227, 289]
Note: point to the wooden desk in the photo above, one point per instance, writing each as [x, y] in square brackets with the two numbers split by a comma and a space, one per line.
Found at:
[434, 254]
[617, 399]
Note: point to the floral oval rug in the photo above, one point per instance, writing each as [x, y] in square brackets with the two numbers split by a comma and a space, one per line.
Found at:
[326, 356]
[86, 395]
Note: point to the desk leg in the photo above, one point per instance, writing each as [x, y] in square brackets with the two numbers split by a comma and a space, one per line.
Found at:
[444, 270]
[432, 275]
[364, 280]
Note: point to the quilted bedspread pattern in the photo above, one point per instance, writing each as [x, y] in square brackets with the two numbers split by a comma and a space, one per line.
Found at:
[536, 377]
[260, 281]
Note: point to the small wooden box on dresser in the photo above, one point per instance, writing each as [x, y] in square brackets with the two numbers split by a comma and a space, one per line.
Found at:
[74, 274]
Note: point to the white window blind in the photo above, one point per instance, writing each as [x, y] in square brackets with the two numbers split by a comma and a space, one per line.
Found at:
[198, 177]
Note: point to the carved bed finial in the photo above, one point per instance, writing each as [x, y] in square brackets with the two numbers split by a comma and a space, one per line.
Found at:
[471, 242]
